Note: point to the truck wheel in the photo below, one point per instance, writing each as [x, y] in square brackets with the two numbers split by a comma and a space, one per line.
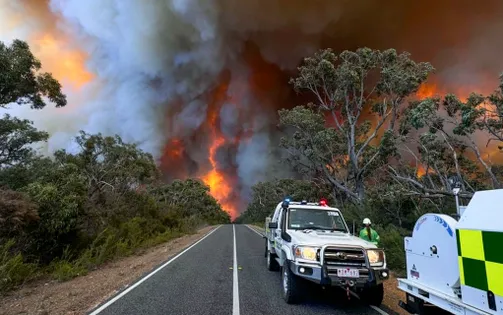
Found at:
[373, 295]
[290, 284]
[272, 264]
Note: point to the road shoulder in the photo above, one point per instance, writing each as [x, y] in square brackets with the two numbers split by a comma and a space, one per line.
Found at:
[82, 294]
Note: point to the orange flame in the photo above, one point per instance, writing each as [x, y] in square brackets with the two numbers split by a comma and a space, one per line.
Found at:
[432, 89]
[66, 65]
[219, 187]
[175, 149]
[427, 90]
[421, 171]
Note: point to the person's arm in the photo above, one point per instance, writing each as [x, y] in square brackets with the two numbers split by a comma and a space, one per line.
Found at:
[376, 236]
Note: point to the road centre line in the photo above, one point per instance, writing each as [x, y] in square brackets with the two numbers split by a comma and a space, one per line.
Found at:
[235, 284]
[110, 302]
[377, 309]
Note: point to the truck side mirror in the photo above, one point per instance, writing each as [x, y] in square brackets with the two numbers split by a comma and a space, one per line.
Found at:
[273, 225]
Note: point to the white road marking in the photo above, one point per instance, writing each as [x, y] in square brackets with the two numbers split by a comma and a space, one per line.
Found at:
[235, 284]
[377, 309]
[254, 230]
[107, 304]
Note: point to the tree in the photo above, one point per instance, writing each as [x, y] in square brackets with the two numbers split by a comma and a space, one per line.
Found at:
[350, 87]
[110, 165]
[192, 197]
[267, 195]
[16, 212]
[60, 195]
[446, 145]
[16, 137]
[20, 80]
[493, 115]
[21, 174]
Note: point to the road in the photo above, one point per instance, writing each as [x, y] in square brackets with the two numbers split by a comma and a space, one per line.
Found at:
[203, 279]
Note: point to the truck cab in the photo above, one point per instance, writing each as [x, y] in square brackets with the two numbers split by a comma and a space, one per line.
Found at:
[311, 241]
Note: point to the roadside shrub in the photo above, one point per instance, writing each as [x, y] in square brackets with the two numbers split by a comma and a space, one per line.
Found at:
[64, 270]
[112, 243]
[16, 212]
[13, 270]
[392, 240]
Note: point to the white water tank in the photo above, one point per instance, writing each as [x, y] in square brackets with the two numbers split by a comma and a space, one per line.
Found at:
[431, 253]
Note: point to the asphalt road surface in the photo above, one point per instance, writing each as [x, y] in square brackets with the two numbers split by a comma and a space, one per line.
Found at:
[223, 273]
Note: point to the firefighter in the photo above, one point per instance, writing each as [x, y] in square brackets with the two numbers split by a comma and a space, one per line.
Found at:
[368, 233]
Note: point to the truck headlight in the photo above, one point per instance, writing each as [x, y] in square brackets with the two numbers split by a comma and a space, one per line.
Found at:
[305, 252]
[376, 257]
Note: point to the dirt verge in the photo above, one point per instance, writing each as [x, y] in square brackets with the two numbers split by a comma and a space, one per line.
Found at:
[80, 295]
[392, 295]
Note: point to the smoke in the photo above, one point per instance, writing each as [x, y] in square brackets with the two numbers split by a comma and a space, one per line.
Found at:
[159, 70]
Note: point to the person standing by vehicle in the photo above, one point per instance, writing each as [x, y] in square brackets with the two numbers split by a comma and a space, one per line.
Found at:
[368, 233]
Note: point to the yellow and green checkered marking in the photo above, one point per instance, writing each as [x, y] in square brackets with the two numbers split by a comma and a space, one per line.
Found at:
[480, 256]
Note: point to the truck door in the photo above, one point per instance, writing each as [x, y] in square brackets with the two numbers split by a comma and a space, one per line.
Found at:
[278, 241]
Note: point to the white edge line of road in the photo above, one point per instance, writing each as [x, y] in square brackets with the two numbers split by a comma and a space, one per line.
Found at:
[262, 235]
[118, 296]
[377, 309]
[235, 283]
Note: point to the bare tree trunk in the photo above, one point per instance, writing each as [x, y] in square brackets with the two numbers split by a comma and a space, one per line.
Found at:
[360, 188]
[455, 157]
[494, 179]
[394, 117]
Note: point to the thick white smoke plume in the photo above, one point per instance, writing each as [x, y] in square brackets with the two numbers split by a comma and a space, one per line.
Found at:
[147, 55]
[154, 61]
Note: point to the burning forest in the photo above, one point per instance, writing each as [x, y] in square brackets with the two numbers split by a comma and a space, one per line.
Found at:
[198, 83]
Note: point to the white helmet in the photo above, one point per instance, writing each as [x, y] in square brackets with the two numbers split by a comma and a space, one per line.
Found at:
[366, 221]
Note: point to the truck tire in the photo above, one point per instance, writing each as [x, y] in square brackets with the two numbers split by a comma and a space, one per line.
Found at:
[272, 264]
[290, 285]
[373, 295]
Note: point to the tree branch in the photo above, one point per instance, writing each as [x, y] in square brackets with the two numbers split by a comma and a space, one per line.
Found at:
[425, 191]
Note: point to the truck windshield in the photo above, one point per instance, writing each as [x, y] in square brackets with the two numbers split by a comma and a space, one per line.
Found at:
[316, 219]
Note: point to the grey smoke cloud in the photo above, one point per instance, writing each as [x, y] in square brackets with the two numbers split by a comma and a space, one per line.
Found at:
[158, 58]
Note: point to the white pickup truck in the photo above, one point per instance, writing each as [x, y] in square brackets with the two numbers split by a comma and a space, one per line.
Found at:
[312, 241]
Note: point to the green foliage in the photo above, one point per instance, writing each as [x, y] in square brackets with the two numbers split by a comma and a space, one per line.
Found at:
[267, 195]
[192, 196]
[13, 270]
[21, 81]
[348, 86]
[64, 270]
[20, 175]
[73, 213]
[392, 241]
[109, 164]
[493, 115]
[449, 136]
[16, 136]
[16, 213]
[114, 242]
